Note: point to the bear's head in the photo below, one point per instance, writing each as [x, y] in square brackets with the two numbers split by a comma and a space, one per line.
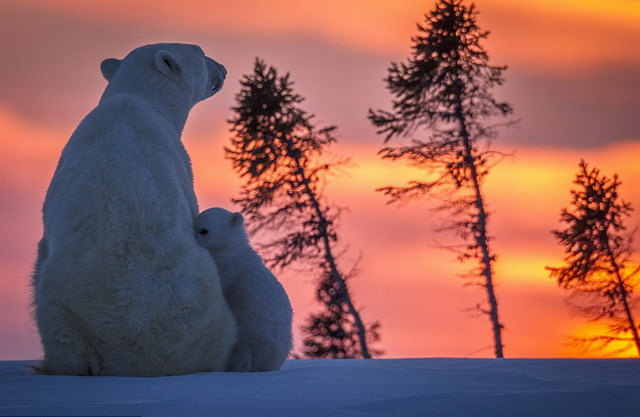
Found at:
[219, 229]
[173, 72]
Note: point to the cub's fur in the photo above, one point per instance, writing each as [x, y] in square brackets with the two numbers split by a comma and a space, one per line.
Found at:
[256, 298]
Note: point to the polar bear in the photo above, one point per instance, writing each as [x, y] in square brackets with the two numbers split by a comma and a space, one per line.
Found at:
[256, 298]
[121, 287]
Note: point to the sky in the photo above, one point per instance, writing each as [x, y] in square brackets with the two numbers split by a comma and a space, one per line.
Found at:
[573, 79]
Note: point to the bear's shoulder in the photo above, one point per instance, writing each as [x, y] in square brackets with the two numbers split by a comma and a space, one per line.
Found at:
[120, 118]
[121, 109]
[124, 142]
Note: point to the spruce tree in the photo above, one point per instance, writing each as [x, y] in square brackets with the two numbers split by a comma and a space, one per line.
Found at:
[444, 93]
[599, 271]
[277, 150]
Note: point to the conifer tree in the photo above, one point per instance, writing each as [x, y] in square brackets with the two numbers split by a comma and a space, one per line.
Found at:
[599, 271]
[276, 149]
[444, 93]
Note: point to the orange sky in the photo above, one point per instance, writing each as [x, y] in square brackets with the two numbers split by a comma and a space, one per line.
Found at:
[571, 68]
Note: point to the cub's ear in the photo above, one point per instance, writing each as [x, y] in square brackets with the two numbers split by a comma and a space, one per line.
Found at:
[166, 63]
[237, 219]
[109, 67]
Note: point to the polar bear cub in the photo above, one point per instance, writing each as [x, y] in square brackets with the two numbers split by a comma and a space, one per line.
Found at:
[121, 287]
[256, 298]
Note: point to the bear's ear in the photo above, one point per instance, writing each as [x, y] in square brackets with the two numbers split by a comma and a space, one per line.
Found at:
[237, 219]
[166, 63]
[109, 67]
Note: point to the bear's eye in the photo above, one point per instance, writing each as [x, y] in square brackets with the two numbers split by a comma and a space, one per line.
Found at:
[203, 231]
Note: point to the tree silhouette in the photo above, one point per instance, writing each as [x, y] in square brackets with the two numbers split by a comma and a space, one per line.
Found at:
[598, 250]
[445, 89]
[276, 149]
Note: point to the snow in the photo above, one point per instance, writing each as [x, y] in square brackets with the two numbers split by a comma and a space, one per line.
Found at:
[317, 388]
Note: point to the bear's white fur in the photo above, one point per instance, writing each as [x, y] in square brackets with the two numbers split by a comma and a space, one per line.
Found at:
[121, 287]
[256, 298]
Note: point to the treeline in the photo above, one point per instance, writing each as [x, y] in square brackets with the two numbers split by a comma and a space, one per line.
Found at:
[442, 93]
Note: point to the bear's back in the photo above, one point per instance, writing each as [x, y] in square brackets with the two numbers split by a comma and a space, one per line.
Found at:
[120, 151]
[118, 229]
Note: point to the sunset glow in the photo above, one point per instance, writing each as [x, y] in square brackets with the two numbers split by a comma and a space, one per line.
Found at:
[51, 79]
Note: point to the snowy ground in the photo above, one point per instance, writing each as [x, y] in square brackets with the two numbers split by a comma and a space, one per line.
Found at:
[317, 388]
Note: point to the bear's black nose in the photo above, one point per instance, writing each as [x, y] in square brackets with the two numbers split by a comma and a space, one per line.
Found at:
[204, 231]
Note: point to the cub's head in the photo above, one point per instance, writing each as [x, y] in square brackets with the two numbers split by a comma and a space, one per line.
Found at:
[217, 228]
[165, 68]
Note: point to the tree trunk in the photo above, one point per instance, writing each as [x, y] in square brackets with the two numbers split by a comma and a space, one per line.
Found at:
[481, 237]
[624, 298]
[632, 323]
[335, 274]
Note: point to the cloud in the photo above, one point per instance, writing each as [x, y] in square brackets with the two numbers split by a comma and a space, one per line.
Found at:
[536, 34]
[543, 35]
[53, 48]
[339, 22]
[533, 33]
[583, 109]
[50, 50]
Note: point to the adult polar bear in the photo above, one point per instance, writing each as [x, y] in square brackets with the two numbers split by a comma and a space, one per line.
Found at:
[121, 286]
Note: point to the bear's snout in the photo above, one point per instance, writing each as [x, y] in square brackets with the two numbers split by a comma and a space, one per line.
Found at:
[217, 74]
[224, 71]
